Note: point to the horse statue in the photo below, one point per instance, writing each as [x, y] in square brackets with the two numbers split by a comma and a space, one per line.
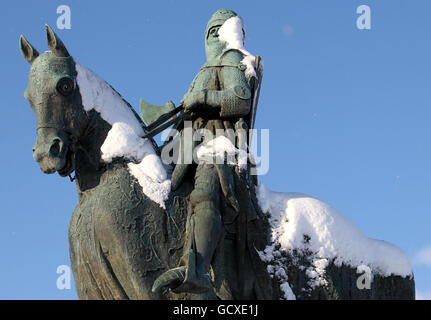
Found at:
[129, 227]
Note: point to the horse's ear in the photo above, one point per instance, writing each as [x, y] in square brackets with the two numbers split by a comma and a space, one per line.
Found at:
[27, 50]
[55, 44]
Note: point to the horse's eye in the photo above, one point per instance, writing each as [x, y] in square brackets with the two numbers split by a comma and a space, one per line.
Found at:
[65, 86]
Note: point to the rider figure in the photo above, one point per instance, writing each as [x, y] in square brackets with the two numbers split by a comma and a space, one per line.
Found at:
[218, 98]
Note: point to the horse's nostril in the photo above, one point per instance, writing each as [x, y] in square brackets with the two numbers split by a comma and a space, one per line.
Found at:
[54, 150]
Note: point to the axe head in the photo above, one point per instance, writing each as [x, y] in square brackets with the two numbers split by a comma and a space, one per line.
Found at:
[151, 113]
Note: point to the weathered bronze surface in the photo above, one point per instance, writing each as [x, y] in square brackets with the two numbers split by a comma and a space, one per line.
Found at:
[204, 245]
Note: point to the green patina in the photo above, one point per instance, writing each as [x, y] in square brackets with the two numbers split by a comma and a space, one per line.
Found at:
[125, 246]
[121, 241]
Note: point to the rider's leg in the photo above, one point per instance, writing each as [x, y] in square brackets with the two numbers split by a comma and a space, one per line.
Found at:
[206, 219]
[207, 226]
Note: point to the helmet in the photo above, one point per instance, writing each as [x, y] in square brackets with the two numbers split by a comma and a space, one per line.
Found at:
[218, 18]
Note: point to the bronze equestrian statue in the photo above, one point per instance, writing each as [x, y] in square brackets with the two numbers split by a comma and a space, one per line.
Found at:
[120, 239]
[144, 229]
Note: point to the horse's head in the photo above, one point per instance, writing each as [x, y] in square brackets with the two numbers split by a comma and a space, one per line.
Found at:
[54, 96]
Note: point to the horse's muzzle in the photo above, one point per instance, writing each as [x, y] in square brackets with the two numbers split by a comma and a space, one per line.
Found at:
[51, 150]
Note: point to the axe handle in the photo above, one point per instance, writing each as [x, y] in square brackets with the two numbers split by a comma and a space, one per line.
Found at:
[164, 117]
[154, 131]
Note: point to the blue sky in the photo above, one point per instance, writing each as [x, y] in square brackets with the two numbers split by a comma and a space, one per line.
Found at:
[348, 112]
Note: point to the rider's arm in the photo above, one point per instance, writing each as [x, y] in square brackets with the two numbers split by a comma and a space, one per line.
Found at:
[235, 98]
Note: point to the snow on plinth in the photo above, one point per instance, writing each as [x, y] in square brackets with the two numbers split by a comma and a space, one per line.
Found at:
[305, 224]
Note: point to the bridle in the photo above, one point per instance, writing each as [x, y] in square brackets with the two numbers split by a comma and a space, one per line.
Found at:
[73, 144]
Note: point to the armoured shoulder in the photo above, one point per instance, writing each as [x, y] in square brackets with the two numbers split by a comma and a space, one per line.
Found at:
[231, 57]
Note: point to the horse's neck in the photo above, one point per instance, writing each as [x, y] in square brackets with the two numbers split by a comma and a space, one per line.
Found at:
[88, 164]
[111, 120]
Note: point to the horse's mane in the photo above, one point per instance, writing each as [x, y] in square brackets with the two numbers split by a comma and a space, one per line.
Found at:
[124, 139]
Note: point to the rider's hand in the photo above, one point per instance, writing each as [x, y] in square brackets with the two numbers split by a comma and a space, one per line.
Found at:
[192, 100]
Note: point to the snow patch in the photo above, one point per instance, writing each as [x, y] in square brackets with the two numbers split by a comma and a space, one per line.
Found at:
[288, 293]
[307, 224]
[278, 270]
[125, 137]
[231, 32]
[316, 272]
[219, 148]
